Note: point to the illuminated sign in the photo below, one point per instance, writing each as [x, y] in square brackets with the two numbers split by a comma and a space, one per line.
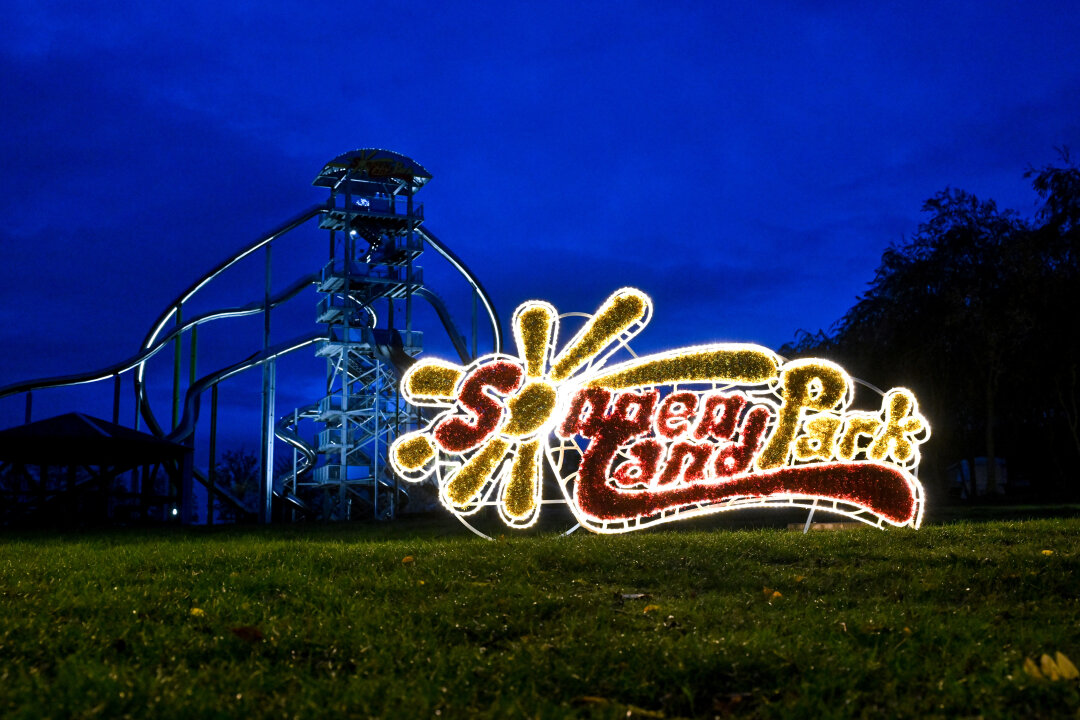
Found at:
[669, 436]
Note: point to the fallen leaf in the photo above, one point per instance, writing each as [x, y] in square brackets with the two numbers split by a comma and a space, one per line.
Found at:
[408, 560]
[726, 704]
[593, 700]
[651, 608]
[1059, 667]
[247, 633]
[776, 594]
[1049, 667]
[1047, 552]
[632, 711]
[198, 612]
[1065, 667]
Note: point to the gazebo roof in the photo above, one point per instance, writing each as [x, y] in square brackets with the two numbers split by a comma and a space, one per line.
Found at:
[78, 439]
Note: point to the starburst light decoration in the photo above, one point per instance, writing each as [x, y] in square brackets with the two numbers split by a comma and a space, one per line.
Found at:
[673, 435]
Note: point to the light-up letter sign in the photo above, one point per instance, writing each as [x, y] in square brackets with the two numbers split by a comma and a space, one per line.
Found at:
[674, 435]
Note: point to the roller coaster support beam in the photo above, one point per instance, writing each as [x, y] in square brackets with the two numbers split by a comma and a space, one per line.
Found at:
[116, 399]
[177, 349]
[194, 354]
[266, 455]
[211, 469]
[187, 484]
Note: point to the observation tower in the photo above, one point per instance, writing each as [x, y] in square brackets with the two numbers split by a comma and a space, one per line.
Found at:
[372, 219]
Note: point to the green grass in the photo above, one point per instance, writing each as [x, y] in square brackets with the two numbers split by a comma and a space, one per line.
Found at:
[328, 621]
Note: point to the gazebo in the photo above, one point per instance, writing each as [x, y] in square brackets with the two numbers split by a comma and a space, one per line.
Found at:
[82, 470]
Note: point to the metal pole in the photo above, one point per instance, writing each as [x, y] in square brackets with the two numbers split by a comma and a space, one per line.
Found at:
[187, 484]
[333, 194]
[266, 486]
[346, 388]
[375, 450]
[116, 399]
[176, 369]
[271, 413]
[194, 354]
[397, 432]
[409, 270]
[295, 459]
[210, 472]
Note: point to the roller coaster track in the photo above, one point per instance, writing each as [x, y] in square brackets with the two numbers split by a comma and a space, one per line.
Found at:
[440, 247]
[158, 339]
[175, 306]
[162, 342]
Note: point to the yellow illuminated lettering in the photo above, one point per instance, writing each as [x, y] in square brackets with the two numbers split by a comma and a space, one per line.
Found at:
[856, 425]
[902, 419]
[819, 439]
[808, 385]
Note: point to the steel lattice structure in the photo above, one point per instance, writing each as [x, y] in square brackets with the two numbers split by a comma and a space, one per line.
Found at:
[374, 220]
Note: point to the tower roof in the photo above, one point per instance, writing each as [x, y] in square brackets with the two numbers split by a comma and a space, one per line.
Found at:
[375, 166]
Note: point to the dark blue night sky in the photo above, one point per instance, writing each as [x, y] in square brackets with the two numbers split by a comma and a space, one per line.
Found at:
[745, 166]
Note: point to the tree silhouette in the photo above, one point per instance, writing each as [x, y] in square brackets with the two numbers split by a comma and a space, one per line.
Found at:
[237, 472]
[975, 313]
[1058, 241]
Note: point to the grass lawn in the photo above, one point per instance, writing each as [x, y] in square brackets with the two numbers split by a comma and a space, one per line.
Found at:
[421, 619]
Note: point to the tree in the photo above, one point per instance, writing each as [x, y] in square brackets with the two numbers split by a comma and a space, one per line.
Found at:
[941, 316]
[1058, 240]
[975, 312]
[237, 472]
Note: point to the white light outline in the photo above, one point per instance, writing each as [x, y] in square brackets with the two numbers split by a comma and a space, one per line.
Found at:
[768, 392]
